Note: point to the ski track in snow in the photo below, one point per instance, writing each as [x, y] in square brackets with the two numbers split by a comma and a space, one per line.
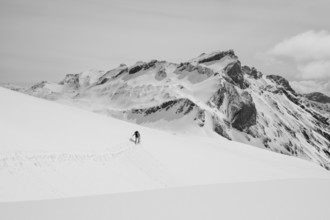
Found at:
[45, 159]
[38, 165]
[149, 165]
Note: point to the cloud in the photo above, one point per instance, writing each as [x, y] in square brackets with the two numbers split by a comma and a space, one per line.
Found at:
[309, 86]
[310, 45]
[310, 53]
[318, 69]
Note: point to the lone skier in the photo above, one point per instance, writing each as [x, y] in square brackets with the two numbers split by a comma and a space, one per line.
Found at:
[137, 137]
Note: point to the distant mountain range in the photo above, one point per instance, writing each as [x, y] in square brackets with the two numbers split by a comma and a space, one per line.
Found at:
[211, 95]
[318, 97]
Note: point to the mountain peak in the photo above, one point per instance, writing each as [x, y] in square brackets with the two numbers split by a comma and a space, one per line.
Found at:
[212, 94]
[318, 97]
[214, 56]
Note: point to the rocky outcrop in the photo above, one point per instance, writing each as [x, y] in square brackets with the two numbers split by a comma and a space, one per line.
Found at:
[71, 80]
[280, 81]
[136, 68]
[297, 100]
[246, 114]
[171, 111]
[190, 68]
[217, 56]
[142, 66]
[113, 74]
[183, 106]
[235, 73]
[151, 64]
[252, 72]
[219, 127]
[239, 108]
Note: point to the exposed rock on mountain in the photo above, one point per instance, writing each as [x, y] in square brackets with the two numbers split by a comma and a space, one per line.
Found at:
[220, 127]
[234, 71]
[280, 81]
[238, 107]
[204, 58]
[211, 95]
[246, 114]
[253, 72]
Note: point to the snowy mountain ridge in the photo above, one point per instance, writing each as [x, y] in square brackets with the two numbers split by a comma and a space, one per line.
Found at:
[211, 95]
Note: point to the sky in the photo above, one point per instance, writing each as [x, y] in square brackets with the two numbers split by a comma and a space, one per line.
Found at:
[45, 40]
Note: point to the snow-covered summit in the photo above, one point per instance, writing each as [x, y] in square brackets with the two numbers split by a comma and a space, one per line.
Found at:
[66, 88]
[212, 95]
[214, 56]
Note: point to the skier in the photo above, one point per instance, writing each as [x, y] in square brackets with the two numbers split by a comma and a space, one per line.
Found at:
[137, 137]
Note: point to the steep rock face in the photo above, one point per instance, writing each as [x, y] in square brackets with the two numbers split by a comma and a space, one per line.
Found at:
[287, 124]
[298, 101]
[322, 109]
[234, 71]
[190, 68]
[281, 82]
[216, 56]
[246, 114]
[209, 95]
[112, 74]
[142, 66]
[176, 111]
[184, 106]
[136, 68]
[239, 108]
[252, 72]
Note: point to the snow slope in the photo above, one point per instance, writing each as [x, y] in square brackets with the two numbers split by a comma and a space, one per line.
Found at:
[49, 150]
[300, 199]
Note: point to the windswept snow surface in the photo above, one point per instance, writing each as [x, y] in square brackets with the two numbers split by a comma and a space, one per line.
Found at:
[302, 199]
[49, 151]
